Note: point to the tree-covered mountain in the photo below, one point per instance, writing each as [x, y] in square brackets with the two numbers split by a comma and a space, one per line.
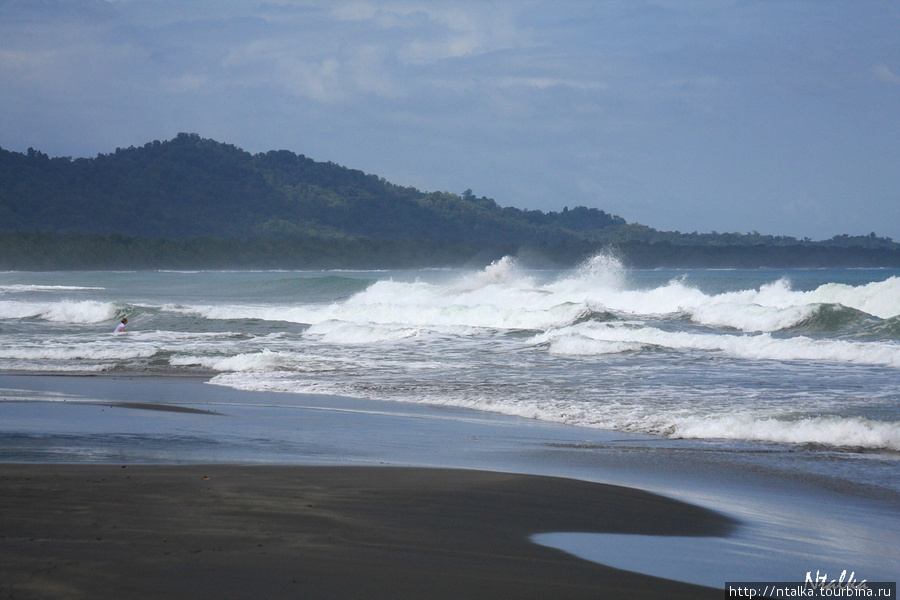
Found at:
[191, 200]
[190, 187]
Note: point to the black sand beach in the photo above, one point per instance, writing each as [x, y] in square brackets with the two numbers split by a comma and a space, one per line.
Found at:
[110, 531]
[152, 487]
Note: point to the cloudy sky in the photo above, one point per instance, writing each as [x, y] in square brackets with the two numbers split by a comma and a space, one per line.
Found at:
[779, 116]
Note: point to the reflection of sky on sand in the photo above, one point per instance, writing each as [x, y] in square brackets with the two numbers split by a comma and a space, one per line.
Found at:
[186, 421]
[701, 560]
[786, 531]
[754, 554]
[789, 527]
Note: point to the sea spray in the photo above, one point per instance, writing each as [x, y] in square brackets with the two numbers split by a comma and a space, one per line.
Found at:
[805, 358]
[604, 270]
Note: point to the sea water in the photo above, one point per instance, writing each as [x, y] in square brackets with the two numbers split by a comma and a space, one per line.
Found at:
[801, 364]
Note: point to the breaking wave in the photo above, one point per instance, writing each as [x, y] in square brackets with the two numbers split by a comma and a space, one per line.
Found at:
[594, 346]
[79, 312]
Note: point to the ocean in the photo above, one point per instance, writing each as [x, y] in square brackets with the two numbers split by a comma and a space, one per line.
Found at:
[796, 368]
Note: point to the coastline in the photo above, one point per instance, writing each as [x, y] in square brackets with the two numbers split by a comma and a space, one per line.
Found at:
[170, 432]
[219, 531]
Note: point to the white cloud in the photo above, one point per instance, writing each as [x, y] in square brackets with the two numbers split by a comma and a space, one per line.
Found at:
[704, 81]
[370, 72]
[319, 80]
[428, 32]
[189, 82]
[355, 11]
[24, 61]
[510, 97]
[423, 52]
[543, 83]
[884, 73]
[337, 75]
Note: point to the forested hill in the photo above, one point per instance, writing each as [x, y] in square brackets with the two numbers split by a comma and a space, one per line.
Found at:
[194, 202]
[193, 187]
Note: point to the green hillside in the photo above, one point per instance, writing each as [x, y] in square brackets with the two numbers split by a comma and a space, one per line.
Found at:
[190, 187]
[197, 202]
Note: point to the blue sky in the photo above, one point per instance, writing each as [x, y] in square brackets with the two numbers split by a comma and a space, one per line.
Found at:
[779, 116]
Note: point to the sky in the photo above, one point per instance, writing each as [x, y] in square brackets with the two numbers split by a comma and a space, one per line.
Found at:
[776, 116]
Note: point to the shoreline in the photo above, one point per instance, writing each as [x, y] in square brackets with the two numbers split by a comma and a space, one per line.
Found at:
[167, 427]
[220, 531]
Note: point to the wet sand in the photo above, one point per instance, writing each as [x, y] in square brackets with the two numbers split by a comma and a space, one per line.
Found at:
[313, 496]
[220, 531]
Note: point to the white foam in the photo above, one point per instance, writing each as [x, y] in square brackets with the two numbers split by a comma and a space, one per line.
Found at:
[853, 432]
[776, 306]
[749, 316]
[678, 420]
[287, 313]
[102, 351]
[503, 297]
[262, 361]
[277, 382]
[31, 366]
[22, 288]
[880, 298]
[589, 338]
[341, 332]
[441, 341]
[80, 312]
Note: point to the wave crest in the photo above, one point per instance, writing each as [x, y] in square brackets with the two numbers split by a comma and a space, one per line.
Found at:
[77, 312]
[841, 432]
